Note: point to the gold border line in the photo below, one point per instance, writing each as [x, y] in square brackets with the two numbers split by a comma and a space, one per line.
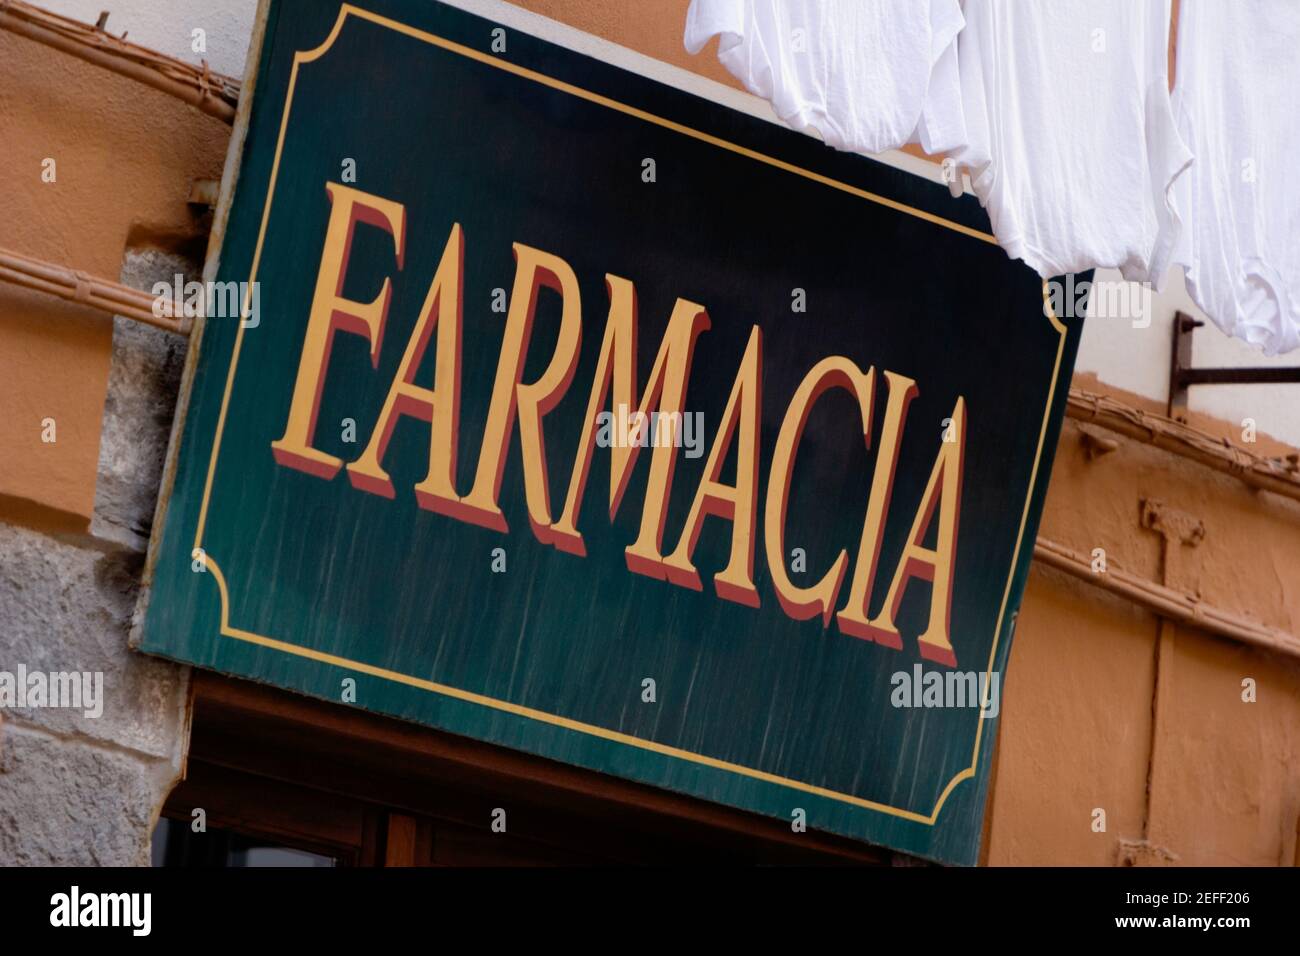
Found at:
[250, 637]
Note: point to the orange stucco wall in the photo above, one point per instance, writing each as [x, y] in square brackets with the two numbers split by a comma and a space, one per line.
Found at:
[1100, 711]
[124, 158]
[654, 29]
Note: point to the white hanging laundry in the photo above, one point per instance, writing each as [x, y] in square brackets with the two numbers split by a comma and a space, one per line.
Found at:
[1072, 143]
[857, 71]
[1237, 102]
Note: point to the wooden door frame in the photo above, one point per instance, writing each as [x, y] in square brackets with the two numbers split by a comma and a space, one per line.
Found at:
[372, 790]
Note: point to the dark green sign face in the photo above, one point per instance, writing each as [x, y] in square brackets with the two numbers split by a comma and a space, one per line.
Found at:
[578, 414]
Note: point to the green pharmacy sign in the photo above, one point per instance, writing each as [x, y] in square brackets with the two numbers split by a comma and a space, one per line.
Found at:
[593, 419]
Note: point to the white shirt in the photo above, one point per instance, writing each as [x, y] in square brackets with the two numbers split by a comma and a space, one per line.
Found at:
[1072, 141]
[1237, 104]
[857, 71]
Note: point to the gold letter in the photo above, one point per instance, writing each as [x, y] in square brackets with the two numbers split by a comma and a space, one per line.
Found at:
[331, 312]
[933, 565]
[737, 504]
[666, 391]
[440, 405]
[852, 618]
[533, 268]
[803, 603]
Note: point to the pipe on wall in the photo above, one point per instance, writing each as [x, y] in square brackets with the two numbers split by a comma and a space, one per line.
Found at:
[85, 289]
[213, 93]
[1266, 474]
[1167, 602]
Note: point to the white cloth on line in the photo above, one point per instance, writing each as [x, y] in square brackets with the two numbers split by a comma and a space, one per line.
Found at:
[1237, 103]
[1072, 144]
[857, 71]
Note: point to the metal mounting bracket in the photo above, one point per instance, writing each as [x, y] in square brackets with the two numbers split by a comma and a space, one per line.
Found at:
[1182, 375]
